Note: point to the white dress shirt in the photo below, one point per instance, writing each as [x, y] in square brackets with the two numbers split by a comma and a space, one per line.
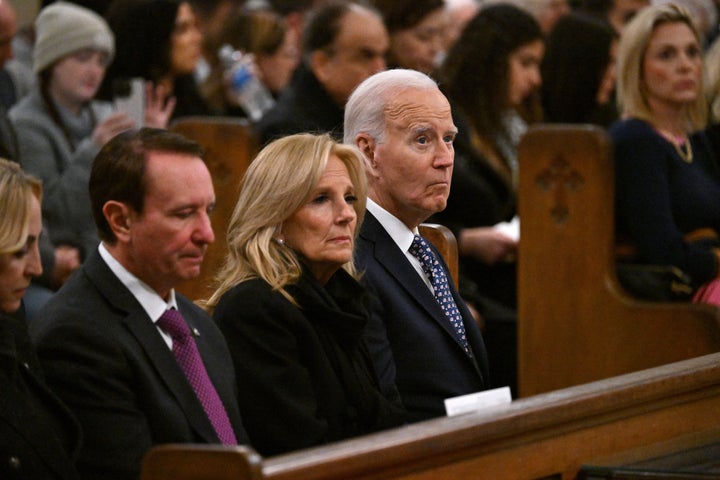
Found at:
[152, 303]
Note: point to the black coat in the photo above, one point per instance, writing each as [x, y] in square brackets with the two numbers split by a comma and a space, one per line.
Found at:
[108, 362]
[305, 372]
[39, 437]
[304, 106]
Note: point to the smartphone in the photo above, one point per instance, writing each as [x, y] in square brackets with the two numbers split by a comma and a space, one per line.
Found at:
[129, 95]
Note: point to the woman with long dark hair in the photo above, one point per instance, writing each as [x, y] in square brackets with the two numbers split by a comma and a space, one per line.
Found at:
[578, 72]
[159, 41]
[491, 77]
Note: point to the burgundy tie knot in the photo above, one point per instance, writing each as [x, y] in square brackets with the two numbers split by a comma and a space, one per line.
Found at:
[173, 323]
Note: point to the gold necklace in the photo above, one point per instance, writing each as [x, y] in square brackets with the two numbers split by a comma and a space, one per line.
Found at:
[684, 149]
[681, 143]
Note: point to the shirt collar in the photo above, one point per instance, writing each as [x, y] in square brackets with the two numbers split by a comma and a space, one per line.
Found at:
[397, 230]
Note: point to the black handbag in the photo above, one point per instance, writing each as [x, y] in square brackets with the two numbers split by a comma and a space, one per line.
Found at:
[657, 283]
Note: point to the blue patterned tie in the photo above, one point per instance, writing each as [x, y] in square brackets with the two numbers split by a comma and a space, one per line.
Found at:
[421, 250]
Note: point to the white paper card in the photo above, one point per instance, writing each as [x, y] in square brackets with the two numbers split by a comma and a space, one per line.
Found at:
[473, 402]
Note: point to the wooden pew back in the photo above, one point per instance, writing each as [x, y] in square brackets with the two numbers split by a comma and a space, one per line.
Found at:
[575, 323]
[549, 436]
[230, 146]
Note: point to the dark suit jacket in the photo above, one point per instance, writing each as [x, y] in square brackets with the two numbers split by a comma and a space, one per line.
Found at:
[8, 140]
[106, 359]
[304, 106]
[408, 324]
[38, 435]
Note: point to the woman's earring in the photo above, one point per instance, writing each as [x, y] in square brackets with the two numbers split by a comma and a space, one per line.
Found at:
[280, 241]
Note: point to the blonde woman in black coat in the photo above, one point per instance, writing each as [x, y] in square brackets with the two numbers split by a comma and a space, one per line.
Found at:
[38, 435]
[290, 305]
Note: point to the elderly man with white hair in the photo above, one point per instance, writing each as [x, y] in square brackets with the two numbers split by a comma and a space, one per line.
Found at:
[421, 333]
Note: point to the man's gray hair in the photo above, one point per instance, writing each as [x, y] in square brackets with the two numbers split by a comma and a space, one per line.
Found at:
[365, 109]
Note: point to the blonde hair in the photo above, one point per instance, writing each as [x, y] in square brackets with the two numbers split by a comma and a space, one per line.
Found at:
[277, 183]
[712, 80]
[16, 191]
[632, 100]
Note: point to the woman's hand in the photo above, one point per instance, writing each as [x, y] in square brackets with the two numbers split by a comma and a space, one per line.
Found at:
[158, 106]
[486, 244]
[113, 125]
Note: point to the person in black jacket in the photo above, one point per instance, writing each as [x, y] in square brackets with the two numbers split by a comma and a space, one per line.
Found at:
[39, 438]
[110, 340]
[343, 44]
[290, 305]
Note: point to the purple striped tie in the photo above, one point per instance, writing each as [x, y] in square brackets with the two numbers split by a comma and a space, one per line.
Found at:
[187, 355]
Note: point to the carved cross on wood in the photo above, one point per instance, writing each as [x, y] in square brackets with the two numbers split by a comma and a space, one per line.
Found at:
[559, 177]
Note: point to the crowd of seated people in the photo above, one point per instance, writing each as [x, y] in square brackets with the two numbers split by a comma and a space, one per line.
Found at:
[332, 317]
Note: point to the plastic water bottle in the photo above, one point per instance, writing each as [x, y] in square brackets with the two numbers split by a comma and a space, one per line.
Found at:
[246, 90]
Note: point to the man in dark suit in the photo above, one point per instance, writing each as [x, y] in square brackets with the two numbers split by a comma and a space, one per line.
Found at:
[343, 44]
[101, 339]
[403, 126]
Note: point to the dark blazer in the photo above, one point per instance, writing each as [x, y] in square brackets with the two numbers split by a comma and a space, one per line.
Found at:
[304, 106]
[308, 368]
[8, 140]
[408, 324]
[39, 437]
[106, 359]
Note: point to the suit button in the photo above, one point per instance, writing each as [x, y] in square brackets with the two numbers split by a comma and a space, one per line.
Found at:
[26, 366]
[14, 463]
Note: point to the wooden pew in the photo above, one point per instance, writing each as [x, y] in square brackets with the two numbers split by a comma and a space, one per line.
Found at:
[230, 146]
[575, 323]
[201, 462]
[549, 436]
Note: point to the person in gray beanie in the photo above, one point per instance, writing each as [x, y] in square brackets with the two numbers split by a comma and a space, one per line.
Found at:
[61, 127]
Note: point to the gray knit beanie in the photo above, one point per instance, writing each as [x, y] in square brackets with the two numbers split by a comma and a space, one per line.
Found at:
[63, 28]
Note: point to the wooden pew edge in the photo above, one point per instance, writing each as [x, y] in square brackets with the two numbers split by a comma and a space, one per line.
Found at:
[543, 416]
[173, 459]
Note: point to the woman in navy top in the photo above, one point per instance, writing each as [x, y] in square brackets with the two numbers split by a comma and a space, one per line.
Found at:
[667, 178]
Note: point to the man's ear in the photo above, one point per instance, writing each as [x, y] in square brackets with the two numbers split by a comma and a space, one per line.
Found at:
[366, 144]
[119, 217]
